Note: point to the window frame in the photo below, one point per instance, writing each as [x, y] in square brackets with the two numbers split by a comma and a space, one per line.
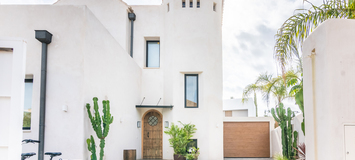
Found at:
[189, 144]
[146, 54]
[191, 4]
[28, 80]
[197, 88]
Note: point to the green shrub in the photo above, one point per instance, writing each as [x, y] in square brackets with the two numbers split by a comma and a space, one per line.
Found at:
[180, 137]
[280, 157]
[194, 153]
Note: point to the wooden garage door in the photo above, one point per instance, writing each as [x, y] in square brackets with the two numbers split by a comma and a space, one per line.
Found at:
[246, 139]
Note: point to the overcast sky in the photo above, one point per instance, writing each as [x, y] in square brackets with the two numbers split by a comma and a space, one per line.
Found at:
[249, 27]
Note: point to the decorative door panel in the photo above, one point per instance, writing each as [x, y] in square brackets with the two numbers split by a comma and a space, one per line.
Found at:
[152, 136]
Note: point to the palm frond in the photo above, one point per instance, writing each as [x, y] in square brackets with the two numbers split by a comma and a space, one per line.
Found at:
[297, 28]
[251, 88]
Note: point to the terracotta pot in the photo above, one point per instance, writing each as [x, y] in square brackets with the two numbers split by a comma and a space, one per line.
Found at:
[179, 157]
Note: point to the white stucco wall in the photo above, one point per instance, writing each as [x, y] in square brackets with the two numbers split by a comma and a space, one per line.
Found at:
[328, 88]
[116, 77]
[276, 141]
[82, 54]
[12, 75]
[112, 14]
[296, 124]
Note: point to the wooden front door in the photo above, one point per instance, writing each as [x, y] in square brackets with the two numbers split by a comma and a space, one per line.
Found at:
[246, 139]
[152, 136]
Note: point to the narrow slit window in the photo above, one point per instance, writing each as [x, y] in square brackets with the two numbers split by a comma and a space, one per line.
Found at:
[191, 90]
[214, 6]
[153, 54]
[168, 7]
[28, 104]
[198, 4]
[191, 4]
[183, 3]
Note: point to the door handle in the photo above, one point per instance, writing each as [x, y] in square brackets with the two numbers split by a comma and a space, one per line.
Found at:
[148, 134]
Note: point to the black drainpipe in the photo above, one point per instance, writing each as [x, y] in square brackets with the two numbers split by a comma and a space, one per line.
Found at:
[132, 18]
[45, 37]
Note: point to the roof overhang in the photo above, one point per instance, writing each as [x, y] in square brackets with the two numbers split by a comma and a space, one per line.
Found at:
[154, 106]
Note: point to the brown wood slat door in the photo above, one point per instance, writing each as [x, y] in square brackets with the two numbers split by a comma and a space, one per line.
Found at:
[246, 139]
[152, 136]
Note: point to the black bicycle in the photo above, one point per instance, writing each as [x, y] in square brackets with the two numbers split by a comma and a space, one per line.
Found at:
[28, 155]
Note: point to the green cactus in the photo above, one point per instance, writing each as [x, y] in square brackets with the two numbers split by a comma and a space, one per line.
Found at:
[106, 120]
[91, 147]
[288, 137]
[295, 136]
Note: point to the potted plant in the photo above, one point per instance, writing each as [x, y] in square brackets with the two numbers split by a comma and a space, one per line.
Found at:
[190, 157]
[193, 155]
[179, 138]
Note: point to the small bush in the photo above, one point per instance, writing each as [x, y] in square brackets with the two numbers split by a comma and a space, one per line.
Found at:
[280, 157]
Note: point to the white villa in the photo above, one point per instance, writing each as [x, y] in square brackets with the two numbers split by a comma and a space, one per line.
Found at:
[235, 108]
[173, 72]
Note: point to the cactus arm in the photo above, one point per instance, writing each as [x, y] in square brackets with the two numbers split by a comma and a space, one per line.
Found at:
[90, 116]
[107, 118]
[295, 136]
[91, 147]
[88, 142]
[104, 111]
[98, 129]
[274, 115]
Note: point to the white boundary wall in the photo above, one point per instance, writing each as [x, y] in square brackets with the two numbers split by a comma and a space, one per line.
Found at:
[329, 88]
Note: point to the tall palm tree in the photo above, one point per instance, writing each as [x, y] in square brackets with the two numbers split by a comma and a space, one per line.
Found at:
[296, 29]
[251, 88]
[278, 87]
[258, 86]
